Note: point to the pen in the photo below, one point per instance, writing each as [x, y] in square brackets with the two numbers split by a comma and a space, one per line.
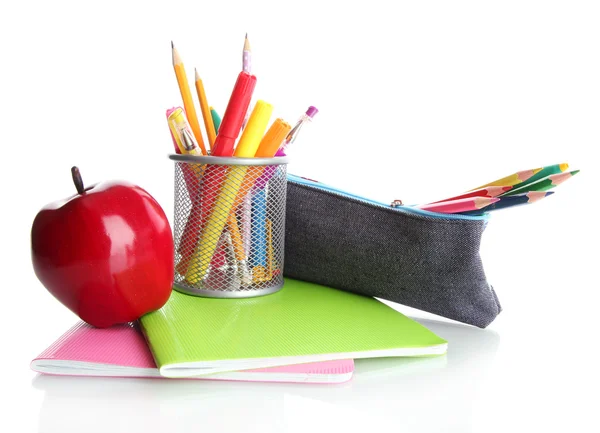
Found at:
[293, 134]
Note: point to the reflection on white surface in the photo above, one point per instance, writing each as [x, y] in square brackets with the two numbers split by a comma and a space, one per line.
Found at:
[404, 391]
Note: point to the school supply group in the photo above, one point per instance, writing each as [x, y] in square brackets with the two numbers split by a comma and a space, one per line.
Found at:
[276, 275]
[229, 195]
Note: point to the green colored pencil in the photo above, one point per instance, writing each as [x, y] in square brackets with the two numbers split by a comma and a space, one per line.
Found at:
[543, 173]
[215, 118]
[542, 184]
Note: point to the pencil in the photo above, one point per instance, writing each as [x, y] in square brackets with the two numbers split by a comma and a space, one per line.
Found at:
[247, 56]
[215, 118]
[489, 191]
[512, 201]
[460, 205]
[512, 179]
[543, 184]
[246, 67]
[206, 115]
[186, 95]
[543, 173]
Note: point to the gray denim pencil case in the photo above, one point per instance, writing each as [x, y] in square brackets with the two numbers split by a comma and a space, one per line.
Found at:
[425, 260]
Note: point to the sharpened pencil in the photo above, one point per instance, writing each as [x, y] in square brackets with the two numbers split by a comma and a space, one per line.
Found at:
[186, 95]
[460, 205]
[206, 115]
[512, 201]
[543, 184]
[489, 191]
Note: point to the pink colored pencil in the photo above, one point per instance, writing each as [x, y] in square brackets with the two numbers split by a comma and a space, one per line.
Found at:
[489, 191]
[460, 205]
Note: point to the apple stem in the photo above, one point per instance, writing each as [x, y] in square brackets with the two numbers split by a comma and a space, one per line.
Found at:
[77, 180]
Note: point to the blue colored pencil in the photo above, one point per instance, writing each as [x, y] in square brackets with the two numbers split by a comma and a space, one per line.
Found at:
[511, 201]
[258, 248]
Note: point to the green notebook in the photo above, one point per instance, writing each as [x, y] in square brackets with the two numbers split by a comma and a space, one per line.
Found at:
[301, 323]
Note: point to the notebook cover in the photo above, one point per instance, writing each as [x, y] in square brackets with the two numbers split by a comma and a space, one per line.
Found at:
[121, 351]
[303, 322]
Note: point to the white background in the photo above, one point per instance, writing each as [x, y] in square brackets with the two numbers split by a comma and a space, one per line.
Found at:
[418, 101]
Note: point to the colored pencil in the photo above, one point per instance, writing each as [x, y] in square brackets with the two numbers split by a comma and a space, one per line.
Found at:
[512, 201]
[460, 205]
[512, 179]
[215, 118]
[489, 191]
[206, 115]
[542, 184]
[186, 95]
[543, 173]
[247, 56]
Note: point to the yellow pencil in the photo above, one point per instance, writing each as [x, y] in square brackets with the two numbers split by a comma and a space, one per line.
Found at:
[246, 147]
[186, 95]
[208, 122]
[512, 179]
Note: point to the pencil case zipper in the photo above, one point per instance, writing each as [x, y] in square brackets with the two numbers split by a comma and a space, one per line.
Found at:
[398, 208]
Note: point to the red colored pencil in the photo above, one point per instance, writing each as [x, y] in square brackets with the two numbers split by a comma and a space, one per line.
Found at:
[460, 205]
[489, 191]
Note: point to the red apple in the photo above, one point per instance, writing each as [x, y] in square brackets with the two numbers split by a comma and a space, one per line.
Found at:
[106, 253]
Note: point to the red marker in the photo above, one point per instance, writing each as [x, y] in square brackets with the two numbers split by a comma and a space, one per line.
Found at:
[233, 118]
[229, 130]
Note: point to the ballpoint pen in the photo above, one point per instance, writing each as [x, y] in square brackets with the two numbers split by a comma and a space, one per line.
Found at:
[293, 134]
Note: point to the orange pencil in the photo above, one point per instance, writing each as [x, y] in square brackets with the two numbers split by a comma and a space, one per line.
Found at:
[186, 95]
[204, 107]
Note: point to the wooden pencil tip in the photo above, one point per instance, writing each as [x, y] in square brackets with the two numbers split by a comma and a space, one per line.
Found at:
[172, 46]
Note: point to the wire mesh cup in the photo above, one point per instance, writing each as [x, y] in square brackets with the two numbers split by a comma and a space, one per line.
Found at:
[229, 225]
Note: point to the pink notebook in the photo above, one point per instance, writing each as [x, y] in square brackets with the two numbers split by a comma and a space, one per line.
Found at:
[121, 351]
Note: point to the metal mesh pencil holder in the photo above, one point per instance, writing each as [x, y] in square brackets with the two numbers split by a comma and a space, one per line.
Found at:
[229, 225]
